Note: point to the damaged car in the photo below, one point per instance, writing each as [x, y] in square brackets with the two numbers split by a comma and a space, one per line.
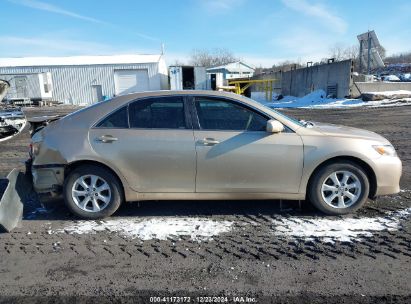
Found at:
[205, 145]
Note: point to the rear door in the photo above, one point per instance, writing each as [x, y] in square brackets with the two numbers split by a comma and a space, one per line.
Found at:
[151, 142]
[236, 154]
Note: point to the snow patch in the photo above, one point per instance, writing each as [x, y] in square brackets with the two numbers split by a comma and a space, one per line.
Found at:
[390, 78]
[261, 96]
[391, 93]
[318, 100]
[343, 230]
[155, 228]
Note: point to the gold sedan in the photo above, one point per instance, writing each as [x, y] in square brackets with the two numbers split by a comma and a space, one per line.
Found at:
[205, 145]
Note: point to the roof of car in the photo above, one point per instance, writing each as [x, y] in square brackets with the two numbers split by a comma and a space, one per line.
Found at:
[132, 96]
[180, 92]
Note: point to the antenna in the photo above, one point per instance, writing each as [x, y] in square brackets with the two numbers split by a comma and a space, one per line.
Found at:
[162, 48]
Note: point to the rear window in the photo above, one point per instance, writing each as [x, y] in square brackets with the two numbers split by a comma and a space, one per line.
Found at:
[158, 113]
[118, 119]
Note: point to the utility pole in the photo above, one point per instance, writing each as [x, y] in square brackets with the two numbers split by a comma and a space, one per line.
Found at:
[162, 49]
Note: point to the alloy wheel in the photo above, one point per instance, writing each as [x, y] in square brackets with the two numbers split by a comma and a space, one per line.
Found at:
[91, 193]
[341, 189]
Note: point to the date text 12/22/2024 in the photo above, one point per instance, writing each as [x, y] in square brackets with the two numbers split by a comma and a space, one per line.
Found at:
[203, 299]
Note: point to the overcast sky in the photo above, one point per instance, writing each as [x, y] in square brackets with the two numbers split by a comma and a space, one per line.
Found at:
[261, 32]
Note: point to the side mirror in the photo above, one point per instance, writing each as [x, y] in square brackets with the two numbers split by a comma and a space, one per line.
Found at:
[274, 126]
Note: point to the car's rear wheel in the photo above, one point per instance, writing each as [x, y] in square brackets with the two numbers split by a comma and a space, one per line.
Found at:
[339, 188]
[92, 192]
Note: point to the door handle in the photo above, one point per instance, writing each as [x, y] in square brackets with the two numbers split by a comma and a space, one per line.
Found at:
[208, 142]
[106, 139]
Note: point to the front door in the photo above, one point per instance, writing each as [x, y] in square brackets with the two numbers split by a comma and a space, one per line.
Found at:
[153, 147]
[236, 154]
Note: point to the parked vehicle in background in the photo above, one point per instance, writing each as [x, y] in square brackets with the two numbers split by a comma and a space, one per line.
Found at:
[206, 145]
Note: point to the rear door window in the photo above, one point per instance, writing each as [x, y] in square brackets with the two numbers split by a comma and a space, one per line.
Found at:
[158, 113]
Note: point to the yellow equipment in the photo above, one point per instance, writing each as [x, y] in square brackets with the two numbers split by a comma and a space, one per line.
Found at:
[265, 84]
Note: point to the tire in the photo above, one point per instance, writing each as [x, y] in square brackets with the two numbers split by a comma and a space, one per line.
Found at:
[326, 194]
[90, 202]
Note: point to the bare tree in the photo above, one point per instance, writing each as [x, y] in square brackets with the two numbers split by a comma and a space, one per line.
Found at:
[177, 62]
[210, 58]
[399, 58]
[287, 65]
[341, 52]
[352, 52]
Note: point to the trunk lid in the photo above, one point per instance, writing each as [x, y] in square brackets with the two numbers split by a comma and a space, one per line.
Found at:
[40, 122]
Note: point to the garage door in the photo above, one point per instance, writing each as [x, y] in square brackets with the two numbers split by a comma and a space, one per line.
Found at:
[131, 81]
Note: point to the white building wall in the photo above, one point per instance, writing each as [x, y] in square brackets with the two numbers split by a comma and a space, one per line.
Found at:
[163, 74]
[32, 88]
[200, 77]
[73, 84]
[176, 78]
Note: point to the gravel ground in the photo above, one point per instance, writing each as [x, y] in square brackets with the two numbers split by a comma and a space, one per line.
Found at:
[55, 257]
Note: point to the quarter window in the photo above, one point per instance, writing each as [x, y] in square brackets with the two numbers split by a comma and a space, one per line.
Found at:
[118, 119]
[158, 113]
[215, 114]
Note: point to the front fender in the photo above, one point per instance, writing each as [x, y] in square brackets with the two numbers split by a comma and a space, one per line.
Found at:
[317, 151]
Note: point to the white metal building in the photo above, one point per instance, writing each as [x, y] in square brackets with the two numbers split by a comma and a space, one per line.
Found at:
[82, 79]
[233, 70]
[188, 78]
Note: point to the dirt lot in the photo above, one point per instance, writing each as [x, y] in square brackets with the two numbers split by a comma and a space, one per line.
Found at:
[54, 255]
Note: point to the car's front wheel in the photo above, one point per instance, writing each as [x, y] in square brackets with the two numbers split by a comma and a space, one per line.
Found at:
[339, 188]
[92, 192]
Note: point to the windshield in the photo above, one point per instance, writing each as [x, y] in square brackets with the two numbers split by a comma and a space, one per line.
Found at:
[292, 119]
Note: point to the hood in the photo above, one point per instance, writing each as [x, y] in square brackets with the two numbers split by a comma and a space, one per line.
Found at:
[343, 131]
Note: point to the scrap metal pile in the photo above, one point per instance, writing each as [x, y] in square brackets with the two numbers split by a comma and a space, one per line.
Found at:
[12, 119]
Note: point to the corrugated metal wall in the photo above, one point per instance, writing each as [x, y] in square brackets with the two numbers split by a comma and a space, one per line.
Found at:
[32, 86]
[73, 84]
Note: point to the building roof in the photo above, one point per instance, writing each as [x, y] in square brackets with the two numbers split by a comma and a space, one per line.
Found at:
[77, 60]
[233, 67]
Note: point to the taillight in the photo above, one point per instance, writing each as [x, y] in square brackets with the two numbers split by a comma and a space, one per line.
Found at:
[34, 149]
[31, 151]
